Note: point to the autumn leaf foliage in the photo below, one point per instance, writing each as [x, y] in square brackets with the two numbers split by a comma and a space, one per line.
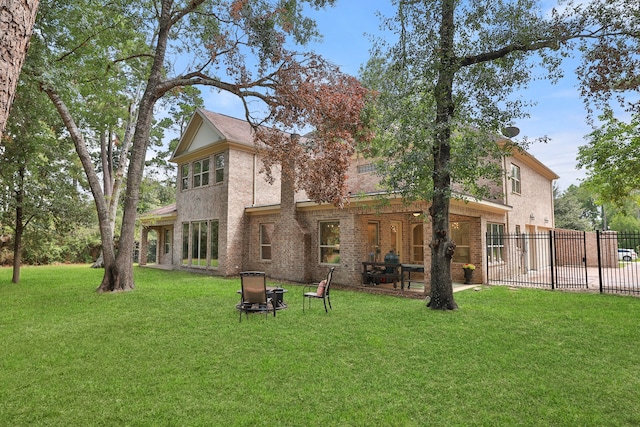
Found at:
[316, 96]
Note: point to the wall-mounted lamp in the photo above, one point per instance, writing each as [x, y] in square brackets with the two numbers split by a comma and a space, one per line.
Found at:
[532, 216]
[546, 220]
[416, 214]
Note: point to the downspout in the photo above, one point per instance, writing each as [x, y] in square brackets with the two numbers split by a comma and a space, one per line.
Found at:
[253, 181]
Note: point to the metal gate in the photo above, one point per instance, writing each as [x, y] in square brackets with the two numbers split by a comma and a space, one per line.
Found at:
[565, 259]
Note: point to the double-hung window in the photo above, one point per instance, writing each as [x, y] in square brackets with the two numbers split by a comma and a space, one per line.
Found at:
[515, 179]
[184, 177]
[495, 242]
[167, 241]
[329, 242]
[218, 161]
[200, 173]
[460, 235]
[266, 231]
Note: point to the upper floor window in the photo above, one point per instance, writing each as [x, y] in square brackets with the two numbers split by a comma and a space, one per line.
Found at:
[368, 167]
[330, 242]
[200, 173]
[219, 165]
[185, 177]
[515, 179]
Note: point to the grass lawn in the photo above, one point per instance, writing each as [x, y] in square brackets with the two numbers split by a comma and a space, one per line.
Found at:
[172, 353]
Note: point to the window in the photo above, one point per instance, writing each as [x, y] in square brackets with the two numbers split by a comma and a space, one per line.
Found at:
[495, 242]
[373, 241]
[219, 165]
[214, 243]
[266, 231]
[195, 237]
[460, 235]
[330, 242]
[199, 243]
[368, 167]
[515, 179]
[185, 243]
[167, 241]
[417, 244]
[185, 177]
[201, 173]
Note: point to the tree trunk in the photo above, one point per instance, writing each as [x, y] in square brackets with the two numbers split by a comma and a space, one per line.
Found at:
[16, 25]
[19, 230]
[119, 276]
[106, 230]
[99, 263]
[442, 247]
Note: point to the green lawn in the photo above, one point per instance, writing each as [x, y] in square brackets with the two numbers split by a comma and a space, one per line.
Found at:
[172, 353]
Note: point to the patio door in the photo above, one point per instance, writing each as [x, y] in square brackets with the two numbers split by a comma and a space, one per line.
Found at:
[396, 238]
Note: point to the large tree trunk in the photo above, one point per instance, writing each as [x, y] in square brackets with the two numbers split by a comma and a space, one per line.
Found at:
[119, 276]
[106, 230]
[19, 230]
[16, 25]
[442, 247]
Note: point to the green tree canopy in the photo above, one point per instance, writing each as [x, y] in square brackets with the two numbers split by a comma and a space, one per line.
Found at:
[447, 88]
[612, 159]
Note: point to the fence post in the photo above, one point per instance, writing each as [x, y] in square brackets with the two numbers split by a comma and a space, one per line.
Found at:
[552, 259]
[599, 260]
[584, 259]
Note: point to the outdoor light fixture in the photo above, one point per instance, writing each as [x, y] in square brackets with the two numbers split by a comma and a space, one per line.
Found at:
[416, 214]
[532, 216]
[546, 220]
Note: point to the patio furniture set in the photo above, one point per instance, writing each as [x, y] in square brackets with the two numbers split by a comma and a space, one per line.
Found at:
[257, 297]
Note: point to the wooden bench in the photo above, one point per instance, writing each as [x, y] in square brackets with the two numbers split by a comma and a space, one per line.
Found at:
[374, 273]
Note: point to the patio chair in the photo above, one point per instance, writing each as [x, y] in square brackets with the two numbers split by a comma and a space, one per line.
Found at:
[254, 296]
[321, 291]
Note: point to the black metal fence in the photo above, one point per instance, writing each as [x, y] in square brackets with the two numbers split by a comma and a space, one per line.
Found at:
[566, 259]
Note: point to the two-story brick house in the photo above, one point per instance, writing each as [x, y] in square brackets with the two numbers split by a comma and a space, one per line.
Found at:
[227, 218]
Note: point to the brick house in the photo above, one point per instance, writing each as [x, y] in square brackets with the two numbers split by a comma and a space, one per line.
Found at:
[227, 218]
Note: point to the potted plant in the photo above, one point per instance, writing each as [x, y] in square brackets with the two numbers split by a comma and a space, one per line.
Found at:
[468, 273]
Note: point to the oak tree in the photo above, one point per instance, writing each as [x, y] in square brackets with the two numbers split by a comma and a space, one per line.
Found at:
[449, 83]
[241, 47]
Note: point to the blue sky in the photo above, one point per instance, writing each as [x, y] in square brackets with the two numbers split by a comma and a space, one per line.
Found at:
[558, 114]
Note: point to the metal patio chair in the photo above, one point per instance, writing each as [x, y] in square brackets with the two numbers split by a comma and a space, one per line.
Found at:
[254, 297]
[321, 292]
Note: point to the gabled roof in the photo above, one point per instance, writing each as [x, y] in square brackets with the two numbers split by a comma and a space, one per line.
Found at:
[206, 129]
[233, 129]
[534, 163]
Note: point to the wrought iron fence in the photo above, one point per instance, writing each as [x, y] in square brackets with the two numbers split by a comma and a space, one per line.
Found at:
[566, 259]
[620, 272]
